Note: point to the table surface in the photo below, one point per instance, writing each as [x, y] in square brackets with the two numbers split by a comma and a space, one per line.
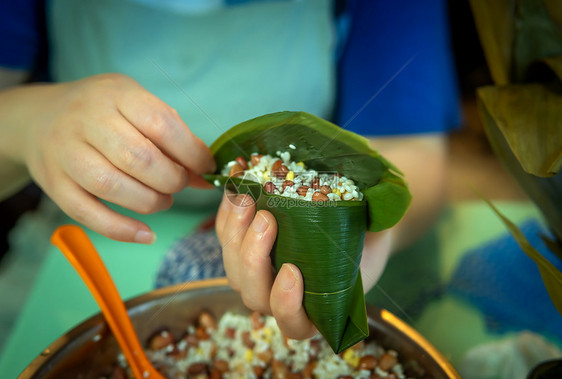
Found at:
[59, 300]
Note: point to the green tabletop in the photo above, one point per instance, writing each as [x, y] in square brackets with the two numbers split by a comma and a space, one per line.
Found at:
[59, 300]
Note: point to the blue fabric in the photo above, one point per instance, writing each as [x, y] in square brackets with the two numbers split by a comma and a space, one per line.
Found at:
[505, 284]
[194, 257]
[396, 73]
[22, 34]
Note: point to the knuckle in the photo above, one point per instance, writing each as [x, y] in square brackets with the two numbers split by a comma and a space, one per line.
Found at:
[77, 211]
[105, 183]
[112, 79]
[152, 203]
[252, 259]
[139, 156]
[176, 182]
[160, 126]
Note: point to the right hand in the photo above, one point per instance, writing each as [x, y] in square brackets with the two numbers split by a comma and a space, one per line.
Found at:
[106, 137]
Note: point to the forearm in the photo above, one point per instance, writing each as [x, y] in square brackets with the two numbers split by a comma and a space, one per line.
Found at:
[13, 177]
[13, 174]
[423, 160]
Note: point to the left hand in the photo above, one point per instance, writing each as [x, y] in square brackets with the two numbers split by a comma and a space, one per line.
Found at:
[247, 238]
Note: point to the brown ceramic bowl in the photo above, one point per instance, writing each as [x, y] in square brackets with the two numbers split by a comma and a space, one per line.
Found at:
[89, 350]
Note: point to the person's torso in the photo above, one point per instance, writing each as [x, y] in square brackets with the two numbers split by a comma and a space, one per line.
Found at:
[216, 64]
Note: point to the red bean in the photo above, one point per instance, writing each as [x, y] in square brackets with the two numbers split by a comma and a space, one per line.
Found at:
[258, 371]
[230, 333]
[256, 319]
[302, 190]
[236, 170]
[325, 190]
[161, 340]
[201, 333]
[242, 162]
[319, 196]
[247, 340]
[367, 362]
[288, 183]
[315, 183]
[221, 365]
[308, 370]
[269, 187]
[207, 321]
[255, 159]
[197, 368]
[278, 169]
[265, 356]
[387, 361]
[279, 370]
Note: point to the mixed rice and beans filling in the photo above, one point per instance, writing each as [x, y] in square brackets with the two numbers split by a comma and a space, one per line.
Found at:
[281, 176]
[241, 346]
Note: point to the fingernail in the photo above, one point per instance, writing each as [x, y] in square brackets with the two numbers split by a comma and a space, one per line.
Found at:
[260, 223]
[287, 278]
[144, 236]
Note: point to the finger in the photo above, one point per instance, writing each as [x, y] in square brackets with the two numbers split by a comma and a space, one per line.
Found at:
[162, 125]
[286, 304]
[235, 227]
[222, 216]
[130, 151]
[256, 263]
[100, 178]
[197, 181]
[92, 213]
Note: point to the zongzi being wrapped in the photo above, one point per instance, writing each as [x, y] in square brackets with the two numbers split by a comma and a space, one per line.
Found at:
[350, 189]
[284, 177]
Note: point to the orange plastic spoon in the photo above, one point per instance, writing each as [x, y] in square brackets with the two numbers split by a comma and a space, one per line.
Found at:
[79, 250]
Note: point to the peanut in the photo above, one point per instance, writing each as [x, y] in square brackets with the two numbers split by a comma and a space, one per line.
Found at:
[242, 162]
[325, 190]
[302, 190]
[319, 196]
[236, 170]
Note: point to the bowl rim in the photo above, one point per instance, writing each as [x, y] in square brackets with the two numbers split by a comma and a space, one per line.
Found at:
[94, 321]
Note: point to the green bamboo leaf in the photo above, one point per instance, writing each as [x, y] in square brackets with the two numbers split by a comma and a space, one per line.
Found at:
[554, 246]
[322, 146]
[555, 64]
[537, 37]
[323, 239]
[530, 118]
[494, 24]
[515, 34]
[532, 136]
[551, 277]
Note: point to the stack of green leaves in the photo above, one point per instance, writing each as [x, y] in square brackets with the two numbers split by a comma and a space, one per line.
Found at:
[323, 239]
[522, 111]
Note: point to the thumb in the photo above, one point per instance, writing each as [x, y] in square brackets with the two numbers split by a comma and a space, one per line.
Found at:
[286, 304]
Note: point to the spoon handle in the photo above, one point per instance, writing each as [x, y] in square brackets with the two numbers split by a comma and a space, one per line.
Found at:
[81, 253]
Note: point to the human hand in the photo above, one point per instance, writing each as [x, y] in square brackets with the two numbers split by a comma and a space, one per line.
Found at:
[247, 238]
[106, 137]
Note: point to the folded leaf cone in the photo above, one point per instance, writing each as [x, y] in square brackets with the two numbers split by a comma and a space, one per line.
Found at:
[323, 239]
